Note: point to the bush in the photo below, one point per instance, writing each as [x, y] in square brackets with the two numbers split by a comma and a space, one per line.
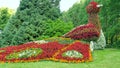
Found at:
[56, 28]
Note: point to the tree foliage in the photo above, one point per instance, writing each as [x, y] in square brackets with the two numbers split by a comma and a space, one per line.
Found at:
[28, 21]
[56, 28]
[77, 14]
[109, 16]
[5, 14]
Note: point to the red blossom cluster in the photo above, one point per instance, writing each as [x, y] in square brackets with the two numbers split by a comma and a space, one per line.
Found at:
[50, 51]
[83, 48]
[86, 32]
[11, 49]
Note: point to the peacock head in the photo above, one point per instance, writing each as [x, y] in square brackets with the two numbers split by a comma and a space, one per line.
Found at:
[93, 7]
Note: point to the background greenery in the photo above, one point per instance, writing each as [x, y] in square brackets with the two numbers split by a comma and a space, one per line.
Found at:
[5, 14]
[31, 23]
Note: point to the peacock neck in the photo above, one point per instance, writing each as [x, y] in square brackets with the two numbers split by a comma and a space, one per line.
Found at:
[93, 18]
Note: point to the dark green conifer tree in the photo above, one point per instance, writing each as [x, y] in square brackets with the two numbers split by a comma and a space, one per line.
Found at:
[28, 21]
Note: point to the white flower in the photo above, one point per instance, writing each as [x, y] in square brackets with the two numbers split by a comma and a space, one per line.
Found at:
[41, 41]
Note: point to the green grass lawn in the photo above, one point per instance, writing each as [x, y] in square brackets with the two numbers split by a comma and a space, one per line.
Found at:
[108, 58]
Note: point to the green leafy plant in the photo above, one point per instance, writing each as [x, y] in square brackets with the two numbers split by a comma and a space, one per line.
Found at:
[55, 28]
[60, 40]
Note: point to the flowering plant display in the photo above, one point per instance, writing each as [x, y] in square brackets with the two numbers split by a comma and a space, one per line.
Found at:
[75, 52]
[56, 50]
[84, 32]
[31, 52]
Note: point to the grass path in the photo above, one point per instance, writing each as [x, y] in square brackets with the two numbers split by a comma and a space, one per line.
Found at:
[108, 58]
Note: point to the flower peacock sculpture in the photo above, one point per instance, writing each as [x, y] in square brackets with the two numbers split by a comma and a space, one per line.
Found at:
[69, 49]
[92, 30]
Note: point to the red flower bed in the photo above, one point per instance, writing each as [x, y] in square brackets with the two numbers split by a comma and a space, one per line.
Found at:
[84, 49]
[48, 49]
[45, 51]
[11, 49]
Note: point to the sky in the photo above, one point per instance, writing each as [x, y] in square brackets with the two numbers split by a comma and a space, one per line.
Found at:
[13, 4]
[66, 4]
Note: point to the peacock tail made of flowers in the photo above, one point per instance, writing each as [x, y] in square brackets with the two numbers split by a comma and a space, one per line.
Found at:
[55, 49]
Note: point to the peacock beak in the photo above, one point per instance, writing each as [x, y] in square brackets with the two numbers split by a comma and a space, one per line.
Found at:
[99, 5]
